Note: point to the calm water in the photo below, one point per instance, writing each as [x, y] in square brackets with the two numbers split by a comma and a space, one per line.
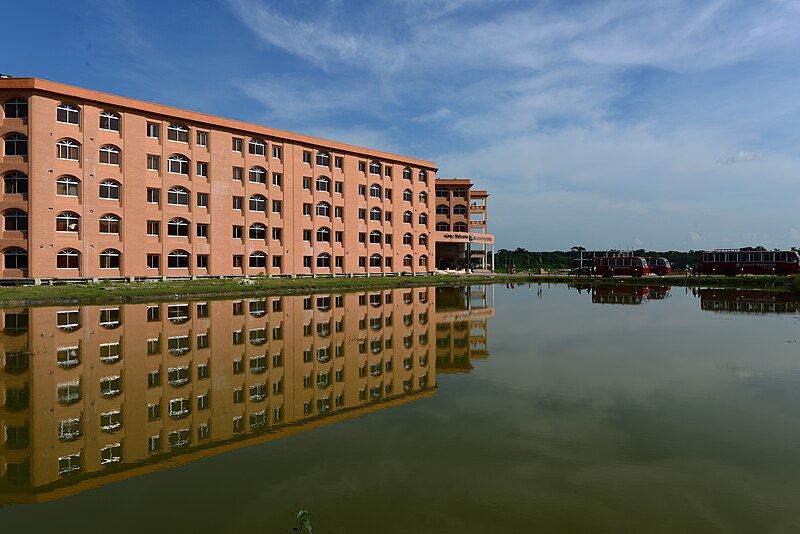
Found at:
[484, 409]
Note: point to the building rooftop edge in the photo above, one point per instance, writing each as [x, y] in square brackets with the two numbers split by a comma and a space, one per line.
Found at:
[41, 84]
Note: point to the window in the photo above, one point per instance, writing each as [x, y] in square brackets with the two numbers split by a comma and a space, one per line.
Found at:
[277, 179]
[258, 203]
[324, 260]
[68, 259]
[153, 162]
[306, 235]
[338, 162]
[68, 114]
[307, 261]
[153, 195]
[306, 156]
[276, 234]
[276, 152]
[375, 260]
[15, 221]
[423, 219]
[407, 260]
[374, 167]
[67, 221]
[324, 235]
[15, 183]
[109, 121]
[339, 260]
[109, 189]
[68, 465]
[67, 186]
[338, 187]
[109, 259]
[387, 171]
[323, 209]
[362, 166]
[423, 176]
[375, 214]
[69, 429]
[15, 258]
[179, 408]
[202, 231]
[258, 175]
[407, 195]
[257, 147]
[423, 261]
[109, 224]
[407, 217]
[375, 237]
[442, 227]
[202, 200]
[258, 260]
[178, 132]
[178, 227]
[16, 108]
[178, 196]
[375, 191]
[323, 184]
[178, 259]
[67, 149]
[423, 240]
[177, 164]
[110, 386]
[459, 209]
[276, 262]
[202, 261]
[153, 261]
[257, 231]
[306, 209]
[238, 202]
[442, 209]
[460, 227]
[306, 183]
[236, 144]
[153, 130]
[178, 376]
[202, 169]
[362, 237]
[338, 212]
[237, 261]
[406, 174]
[202, 138]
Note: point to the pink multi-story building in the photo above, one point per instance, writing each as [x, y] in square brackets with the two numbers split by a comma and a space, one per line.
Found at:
[97, 185]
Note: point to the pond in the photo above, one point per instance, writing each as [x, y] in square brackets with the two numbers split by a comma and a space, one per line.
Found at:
[535, 408]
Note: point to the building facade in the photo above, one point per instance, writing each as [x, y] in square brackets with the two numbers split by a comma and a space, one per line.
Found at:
[461, 236]
[96, 185]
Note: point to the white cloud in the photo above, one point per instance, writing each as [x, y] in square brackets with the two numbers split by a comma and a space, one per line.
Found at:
[739, 157]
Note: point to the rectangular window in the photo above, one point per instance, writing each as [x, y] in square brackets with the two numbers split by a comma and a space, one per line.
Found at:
[152, 130]
[277, 179]
[203, 371]
[238, 202]
[338, 212]
[338, 162]
[362, 166]
[338, 187]
[202, 200]
[153, 162]
[154, 345]
[202, 138]
[306, 209]
[362, 214]
[362, 190]
[202, 230]
[362, 237]
[306, 183]
[339, 261]
[306, 156]
[338, 236]
[153, 195]
[306, 261]
[276, 206]
[202, 169]
[152, 227]
[276, 152]
[306, 235]
[388, 193]
[202, 261]
[238, 174]
[237, 232]
[238, 261]
[276, 262]
[276, 234]
[362, 261]
[153, 261]
[388, 172]
[236, 144]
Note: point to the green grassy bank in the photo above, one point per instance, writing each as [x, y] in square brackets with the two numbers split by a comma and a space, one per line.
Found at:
[154, 291]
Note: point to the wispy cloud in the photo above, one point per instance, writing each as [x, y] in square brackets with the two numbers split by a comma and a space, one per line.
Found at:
[739, 157]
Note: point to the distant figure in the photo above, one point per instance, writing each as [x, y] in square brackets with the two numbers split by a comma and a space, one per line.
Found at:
[513, 269]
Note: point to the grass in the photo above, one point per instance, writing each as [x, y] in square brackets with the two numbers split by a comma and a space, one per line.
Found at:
[154, 291]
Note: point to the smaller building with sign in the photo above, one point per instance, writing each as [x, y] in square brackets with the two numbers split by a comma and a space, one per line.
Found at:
[461, 236]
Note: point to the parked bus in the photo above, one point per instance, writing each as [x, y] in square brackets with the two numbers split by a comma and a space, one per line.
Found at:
[608, 266]
[659, 266]
[730, 262]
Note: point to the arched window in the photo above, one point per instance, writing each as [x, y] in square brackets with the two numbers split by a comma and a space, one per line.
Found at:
[69, 258]
[109, 259]
[407, 237]
[324, 235]
[67, 186]
[375, 260]
[324, 209]
[258, 203]
[15, 220]
[375, 237]
[459, 209]
[258, 175]
[257, 147]
[323, 183]
[15, 258]
[68, 149]
[109, 224]
[374, 167]
[178, 227]
[423, 219]
[324, 260]
[423, 197]
[375, 191]
[109, 189]
[178, 132]
[407, 217]
[178, 259]
[178, 196]
[109, 121]
[68, 114]
[67, 221]
[442, 227]
[460, 227]
[257, 231]
[16, 108]
[16, 145]
[423, 177]
[407, 260]
[177, 164]
[423, 261]
[442, 209]
[423, 239]
[15, 183]
[323, 159]
[375, 214]
[407, 195]
[258, 260]
[406, 173]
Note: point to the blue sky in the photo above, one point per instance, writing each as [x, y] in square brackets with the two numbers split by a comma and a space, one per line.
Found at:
[658, 124]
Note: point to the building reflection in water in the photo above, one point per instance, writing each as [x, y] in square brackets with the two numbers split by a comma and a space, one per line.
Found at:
[746, 301]
[93, 394]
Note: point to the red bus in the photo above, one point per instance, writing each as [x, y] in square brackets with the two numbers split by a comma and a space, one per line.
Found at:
[659, 266]
[608, 266]
[730, 262]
